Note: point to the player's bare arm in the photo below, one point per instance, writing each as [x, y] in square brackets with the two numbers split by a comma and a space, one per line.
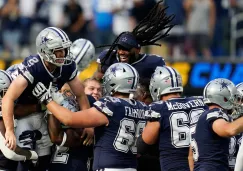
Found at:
[78, 90]
[190, 159]
[98, 74]
[14, 91]
[85, 118]
[228, 129]
[151, 131]
[18, 154]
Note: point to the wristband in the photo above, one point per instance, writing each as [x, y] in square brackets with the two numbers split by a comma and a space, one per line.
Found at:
[64, 139]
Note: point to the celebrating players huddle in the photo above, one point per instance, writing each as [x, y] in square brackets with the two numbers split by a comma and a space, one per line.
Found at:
[185, 133]
[51, 121]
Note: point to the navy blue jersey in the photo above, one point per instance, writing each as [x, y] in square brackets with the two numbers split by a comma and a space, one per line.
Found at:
[115, 145]
[234, 146]
[174, 116]
[210, 150]
[145, 65]
[13, 71]
[34, 70]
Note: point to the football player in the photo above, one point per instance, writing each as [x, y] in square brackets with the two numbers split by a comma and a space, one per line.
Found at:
[118, 119]
[211, 140]
[142, 94]
[71, 152]
[129, 44]
[28, 125]
[9, 158]
[235, 152]
[169, 118]
[52, 66]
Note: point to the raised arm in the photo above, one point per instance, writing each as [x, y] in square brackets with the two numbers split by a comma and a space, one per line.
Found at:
[78, 90]
[98, 75]
[228, 129]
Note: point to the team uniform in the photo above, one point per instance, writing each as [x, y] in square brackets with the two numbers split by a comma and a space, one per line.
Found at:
[211, 151]
[34, 70]
[234, 146]
[115, 144]
[145, 65]
[71, 158]
[174, 116]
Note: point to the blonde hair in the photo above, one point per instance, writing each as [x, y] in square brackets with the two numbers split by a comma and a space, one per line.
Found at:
[88, 80]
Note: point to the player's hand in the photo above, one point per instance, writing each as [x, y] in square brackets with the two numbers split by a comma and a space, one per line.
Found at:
[89, 133]
[30, 137]
[10, 140]
[42, 93]
[57, 97]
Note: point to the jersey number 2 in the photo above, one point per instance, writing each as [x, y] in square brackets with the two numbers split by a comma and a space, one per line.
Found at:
[60, 155]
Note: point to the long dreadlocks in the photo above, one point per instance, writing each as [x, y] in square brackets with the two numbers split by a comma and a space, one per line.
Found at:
[156, 25]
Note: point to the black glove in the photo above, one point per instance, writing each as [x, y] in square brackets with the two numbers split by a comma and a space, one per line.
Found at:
[42, 93]
[30, 137]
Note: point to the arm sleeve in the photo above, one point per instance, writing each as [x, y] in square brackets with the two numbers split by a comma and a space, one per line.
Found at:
[26, 72]
[105, 106]
[152, 114]
[213, 116]
[74, 71]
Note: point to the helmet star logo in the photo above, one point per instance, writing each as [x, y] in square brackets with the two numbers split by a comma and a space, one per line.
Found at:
[114, 69]
[223, 85]
[44, 39]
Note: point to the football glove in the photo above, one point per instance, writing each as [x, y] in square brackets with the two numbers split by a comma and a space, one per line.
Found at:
[42, 93]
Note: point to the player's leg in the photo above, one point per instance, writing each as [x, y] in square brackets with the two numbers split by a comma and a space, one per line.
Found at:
[43, 146]
[23, 124]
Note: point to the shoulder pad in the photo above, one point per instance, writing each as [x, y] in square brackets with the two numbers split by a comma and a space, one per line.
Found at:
[151, 114]
[103, 108]
[112, 99]
[218, 114]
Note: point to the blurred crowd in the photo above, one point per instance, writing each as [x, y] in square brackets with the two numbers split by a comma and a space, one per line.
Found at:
[202, 27]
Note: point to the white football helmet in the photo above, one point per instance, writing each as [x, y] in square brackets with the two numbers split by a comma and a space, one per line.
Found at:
[240, 88]
[239, 109]
[83, 52]
[222, 92]
[51, 39]
[120, 77]
[165, 80]
[5, 81]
